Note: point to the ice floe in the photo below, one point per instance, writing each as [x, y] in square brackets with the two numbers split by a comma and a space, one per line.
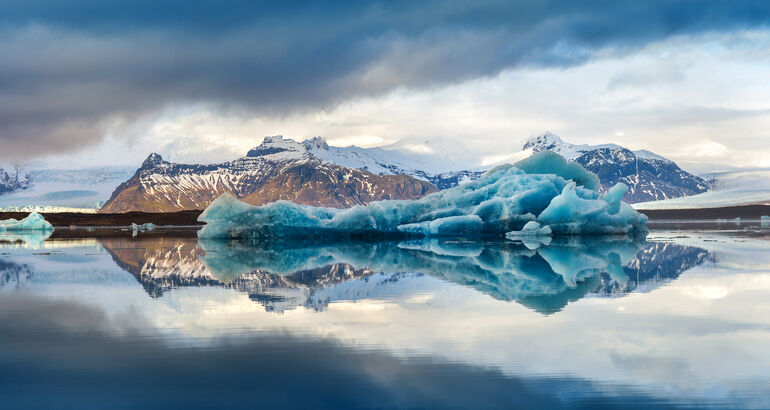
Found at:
[33, 222]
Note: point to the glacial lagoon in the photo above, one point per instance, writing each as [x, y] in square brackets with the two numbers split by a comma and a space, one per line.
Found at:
[119, 319]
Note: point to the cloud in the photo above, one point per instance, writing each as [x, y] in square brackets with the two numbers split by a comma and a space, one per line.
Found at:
[71, 70]
[705, 149]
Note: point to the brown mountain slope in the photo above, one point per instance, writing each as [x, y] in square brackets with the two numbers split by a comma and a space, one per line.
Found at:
[259, 178]
[336, 186]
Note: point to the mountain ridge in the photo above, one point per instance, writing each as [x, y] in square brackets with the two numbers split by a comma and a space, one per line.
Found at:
[277, 169]
[649, 176]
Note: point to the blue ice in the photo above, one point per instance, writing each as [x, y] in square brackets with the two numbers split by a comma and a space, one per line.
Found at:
[33, 222]
[556, 194]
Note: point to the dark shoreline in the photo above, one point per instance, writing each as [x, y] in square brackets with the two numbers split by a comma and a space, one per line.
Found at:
[190, 218]
[66, 219]
[726, 212]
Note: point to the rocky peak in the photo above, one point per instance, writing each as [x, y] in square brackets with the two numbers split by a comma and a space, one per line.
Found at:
[152, 161]
[317, 143]
[286, 147]
[544, 141]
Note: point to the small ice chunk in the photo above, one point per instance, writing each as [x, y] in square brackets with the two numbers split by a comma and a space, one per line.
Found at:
[33, 222]
[149, 226]
[462, 225]
[531, 229]
[765, 221]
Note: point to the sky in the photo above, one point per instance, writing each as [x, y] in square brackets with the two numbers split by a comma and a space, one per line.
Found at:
[88, 82]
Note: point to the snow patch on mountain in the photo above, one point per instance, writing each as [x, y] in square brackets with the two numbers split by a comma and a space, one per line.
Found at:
[649, 176]
[552, 142]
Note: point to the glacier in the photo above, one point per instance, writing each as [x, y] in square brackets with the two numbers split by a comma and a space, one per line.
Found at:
[554, 193]
[33, 222]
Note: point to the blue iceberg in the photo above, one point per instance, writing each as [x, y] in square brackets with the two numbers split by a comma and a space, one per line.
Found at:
[557, 194]
[33, 222]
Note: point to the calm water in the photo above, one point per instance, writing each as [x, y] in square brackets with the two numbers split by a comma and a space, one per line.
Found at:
[163, 320]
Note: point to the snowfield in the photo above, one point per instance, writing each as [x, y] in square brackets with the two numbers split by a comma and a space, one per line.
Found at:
[731, 188]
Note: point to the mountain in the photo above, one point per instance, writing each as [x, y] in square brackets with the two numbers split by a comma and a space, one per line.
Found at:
[650, 177]
[383, 161]
[64, 190]
[277, 169]
[14, 180]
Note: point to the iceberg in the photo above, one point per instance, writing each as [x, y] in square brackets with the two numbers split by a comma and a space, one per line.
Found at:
[556, 193]
[33, 222]
[765, 221]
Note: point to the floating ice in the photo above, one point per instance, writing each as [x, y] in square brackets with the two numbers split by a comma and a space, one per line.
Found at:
[33, 222]
[532, 228]
[504, 200]
[765, 221]
[149, 226]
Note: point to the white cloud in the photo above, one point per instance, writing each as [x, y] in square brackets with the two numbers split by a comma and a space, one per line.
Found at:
[706, 149]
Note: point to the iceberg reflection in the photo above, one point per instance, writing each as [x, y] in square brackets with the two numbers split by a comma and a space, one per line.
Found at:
[26, 239]
[545, 277]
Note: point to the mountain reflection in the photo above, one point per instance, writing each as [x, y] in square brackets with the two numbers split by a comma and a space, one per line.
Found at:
[282, 278]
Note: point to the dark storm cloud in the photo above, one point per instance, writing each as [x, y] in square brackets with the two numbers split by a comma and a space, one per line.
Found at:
[70, 69]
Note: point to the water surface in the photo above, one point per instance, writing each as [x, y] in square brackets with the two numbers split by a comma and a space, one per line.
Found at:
[164, 320]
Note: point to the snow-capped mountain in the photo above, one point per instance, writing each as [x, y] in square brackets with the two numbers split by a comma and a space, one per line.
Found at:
[382, 161]
[278, 168]
[650, 177]
[12, 180]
